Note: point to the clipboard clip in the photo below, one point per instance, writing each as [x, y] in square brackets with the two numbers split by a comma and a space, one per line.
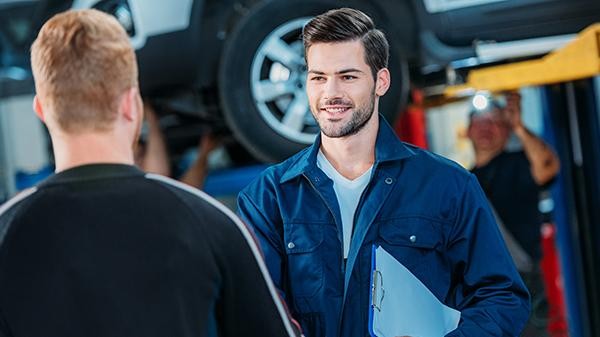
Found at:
[377, 280]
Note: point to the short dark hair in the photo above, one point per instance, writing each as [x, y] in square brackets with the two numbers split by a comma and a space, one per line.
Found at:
[347, 24]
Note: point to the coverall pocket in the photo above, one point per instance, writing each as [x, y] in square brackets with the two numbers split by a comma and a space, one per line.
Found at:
[304, 258]
[413, 241]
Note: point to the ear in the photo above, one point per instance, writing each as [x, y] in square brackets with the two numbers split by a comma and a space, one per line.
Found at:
[382, 84]
[130, 105]
[37, 107]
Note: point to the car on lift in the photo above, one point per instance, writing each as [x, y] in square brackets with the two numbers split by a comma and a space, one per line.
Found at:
[239, 64]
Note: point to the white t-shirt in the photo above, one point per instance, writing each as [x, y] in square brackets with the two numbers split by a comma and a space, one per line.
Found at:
[348, 194]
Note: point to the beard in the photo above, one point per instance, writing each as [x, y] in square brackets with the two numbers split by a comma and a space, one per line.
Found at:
[359, 118]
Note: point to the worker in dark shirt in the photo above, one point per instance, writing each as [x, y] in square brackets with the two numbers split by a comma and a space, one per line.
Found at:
[103, 249]
[513, 182]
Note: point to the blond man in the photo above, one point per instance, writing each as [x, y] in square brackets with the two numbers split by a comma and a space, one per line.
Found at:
[102, 249]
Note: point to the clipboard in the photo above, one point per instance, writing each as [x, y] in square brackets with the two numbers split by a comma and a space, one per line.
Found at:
[401, 305]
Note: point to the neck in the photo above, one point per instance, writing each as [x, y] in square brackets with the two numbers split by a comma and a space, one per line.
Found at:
[482, 157]
[89, 148]
[353, 155]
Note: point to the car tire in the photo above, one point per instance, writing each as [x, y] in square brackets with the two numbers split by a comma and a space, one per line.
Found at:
[262, 75]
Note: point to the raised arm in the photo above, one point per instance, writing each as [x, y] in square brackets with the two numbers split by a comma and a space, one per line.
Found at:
[543, 162]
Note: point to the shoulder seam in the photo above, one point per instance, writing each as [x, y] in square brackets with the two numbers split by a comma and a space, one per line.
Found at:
[10, 204]
[16, 199]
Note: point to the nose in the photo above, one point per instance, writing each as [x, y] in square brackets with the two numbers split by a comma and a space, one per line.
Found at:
[332, 89]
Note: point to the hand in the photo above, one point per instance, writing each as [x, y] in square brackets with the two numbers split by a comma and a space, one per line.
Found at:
[208, 143]
[512, 112]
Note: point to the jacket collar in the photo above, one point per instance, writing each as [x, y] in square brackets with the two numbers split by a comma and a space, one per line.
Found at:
[92, 172]
[387, 148]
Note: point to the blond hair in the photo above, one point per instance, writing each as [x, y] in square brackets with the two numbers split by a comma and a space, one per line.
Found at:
[82, 63]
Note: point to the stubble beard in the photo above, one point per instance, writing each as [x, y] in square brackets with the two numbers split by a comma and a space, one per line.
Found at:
[360, 117]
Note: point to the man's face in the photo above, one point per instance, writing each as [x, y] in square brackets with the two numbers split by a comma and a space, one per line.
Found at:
[488, 131]
[340, 87]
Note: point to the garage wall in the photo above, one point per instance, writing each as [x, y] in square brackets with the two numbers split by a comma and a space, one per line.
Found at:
[23, 142]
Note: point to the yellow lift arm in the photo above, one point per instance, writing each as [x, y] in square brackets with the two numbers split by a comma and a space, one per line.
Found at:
[577, 60]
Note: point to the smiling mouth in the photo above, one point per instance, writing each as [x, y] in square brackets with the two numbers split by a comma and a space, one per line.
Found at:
[335, 110]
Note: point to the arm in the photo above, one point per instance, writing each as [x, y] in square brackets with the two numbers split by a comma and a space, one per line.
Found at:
[269, 237]
[250, 304]
[543, 161]
[196, 173]
[489, 292]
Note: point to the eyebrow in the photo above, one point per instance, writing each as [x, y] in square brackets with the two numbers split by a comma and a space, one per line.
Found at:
[341, 72]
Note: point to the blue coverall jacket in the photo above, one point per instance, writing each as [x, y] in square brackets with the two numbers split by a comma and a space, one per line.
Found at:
[428, 212]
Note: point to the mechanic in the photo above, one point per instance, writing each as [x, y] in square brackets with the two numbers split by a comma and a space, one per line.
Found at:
[318, 213]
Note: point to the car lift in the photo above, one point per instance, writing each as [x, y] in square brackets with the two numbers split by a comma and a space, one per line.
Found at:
[571, 94]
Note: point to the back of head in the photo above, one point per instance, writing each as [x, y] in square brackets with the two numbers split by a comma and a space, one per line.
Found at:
[82, 63]
[347, 24]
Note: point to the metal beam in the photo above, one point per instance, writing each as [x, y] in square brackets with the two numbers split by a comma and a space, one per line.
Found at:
[577, 60]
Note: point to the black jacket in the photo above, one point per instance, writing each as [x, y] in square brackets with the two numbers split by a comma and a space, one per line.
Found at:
[105, 250]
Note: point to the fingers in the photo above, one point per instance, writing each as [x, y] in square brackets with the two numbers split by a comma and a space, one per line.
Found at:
[209, 142]
[513, 99]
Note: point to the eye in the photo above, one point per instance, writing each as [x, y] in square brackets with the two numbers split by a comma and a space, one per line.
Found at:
[348, 77]
[317, 78]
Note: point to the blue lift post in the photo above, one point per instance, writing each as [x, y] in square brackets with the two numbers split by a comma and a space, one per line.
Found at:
[573, 129]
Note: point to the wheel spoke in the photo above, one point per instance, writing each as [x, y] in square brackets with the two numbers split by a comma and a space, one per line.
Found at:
[277, 50]
[266, 91]
[295, 113]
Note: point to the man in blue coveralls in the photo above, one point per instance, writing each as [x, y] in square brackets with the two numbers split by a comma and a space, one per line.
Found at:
[318, 213]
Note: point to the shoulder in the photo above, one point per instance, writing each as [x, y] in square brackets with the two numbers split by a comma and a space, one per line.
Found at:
[511, 162]
[510, 157]
[17, 201]
[429, 174]
[427, 163]
[216, 219]
[516, 156]
[272, 176]
[13, 207]
[188, 196]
